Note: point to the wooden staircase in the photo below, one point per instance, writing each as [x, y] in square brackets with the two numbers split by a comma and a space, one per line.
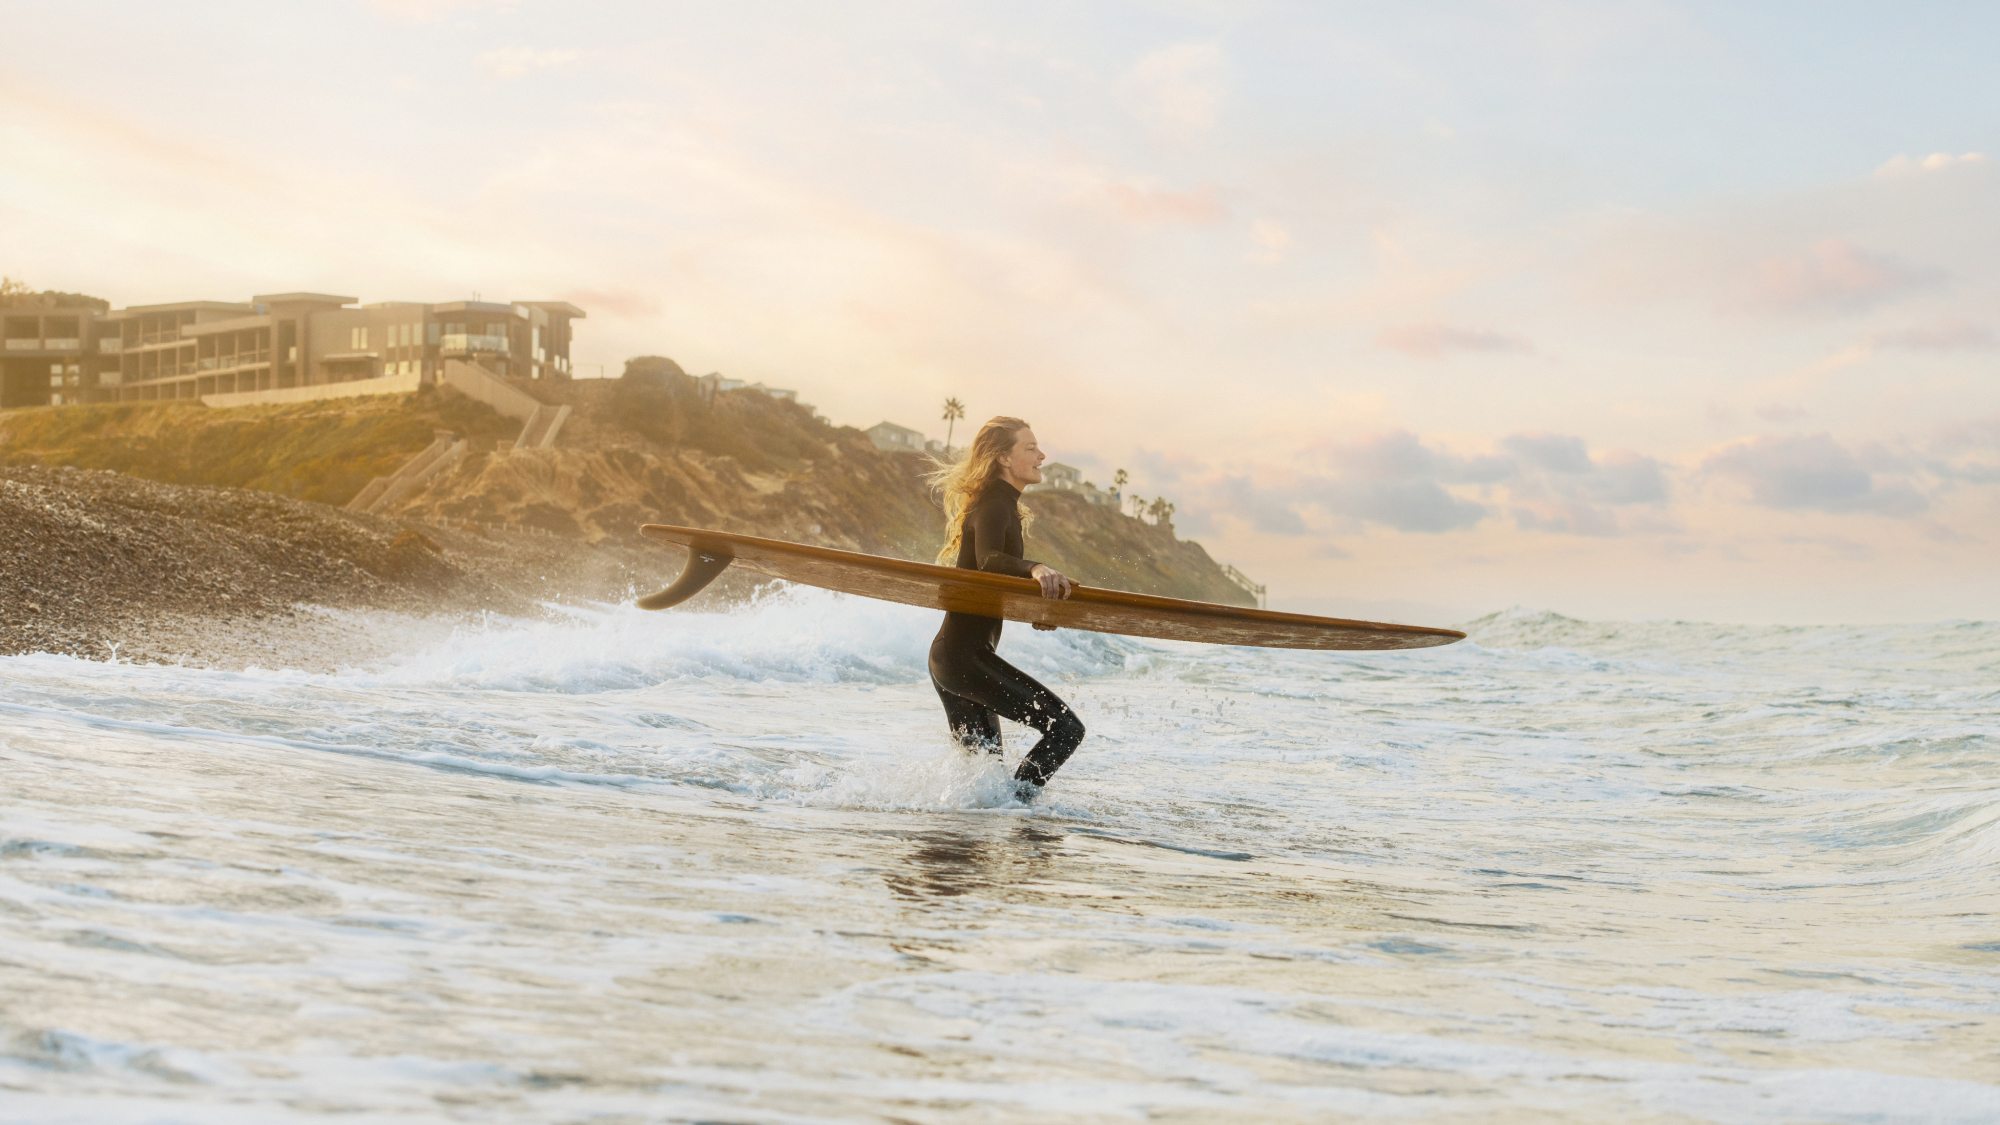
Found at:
[540, 423]
[444, 451]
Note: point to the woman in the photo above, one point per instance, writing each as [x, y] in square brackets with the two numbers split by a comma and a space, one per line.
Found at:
[982, 494]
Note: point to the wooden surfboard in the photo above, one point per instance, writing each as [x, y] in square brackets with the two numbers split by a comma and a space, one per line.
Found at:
[1018, 599]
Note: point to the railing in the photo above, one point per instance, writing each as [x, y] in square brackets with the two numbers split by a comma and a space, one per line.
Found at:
[240, 359]
[1243, 580]
[469, 343]
[111, 345]
[62, 344]
[32, 343]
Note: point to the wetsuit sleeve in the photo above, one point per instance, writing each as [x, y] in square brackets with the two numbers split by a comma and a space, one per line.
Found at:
[990, 523]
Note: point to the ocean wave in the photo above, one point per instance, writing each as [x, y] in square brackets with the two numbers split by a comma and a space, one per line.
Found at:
[795, 635]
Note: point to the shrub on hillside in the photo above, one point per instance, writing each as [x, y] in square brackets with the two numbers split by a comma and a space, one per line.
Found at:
[658, 401]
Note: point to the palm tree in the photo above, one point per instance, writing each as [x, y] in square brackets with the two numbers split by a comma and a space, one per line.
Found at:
[1118, 480]
[1138, 506]
[953, 411]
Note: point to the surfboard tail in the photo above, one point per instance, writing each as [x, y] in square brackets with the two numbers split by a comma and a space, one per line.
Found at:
[704, 563]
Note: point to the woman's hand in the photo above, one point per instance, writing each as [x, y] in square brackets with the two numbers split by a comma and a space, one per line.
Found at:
[1054, 585]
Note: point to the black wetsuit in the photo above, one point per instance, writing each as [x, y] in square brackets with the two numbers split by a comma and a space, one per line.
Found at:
[978, 687]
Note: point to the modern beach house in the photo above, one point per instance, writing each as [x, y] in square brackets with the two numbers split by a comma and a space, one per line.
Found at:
[276, 341]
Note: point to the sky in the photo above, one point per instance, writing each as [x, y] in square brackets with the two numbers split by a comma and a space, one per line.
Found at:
[1418, 311]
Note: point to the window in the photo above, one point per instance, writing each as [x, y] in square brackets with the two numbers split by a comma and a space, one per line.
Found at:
[357, 339]
[433, 327]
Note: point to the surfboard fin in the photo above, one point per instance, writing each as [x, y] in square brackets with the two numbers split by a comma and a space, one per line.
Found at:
[704, 563]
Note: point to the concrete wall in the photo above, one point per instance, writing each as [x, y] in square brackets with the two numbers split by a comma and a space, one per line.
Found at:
[393, 385]
[476, 382]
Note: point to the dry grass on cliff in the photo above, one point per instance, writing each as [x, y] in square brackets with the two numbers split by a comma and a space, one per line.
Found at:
[322, 451]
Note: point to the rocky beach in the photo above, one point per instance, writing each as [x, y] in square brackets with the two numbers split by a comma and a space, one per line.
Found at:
[102, 565]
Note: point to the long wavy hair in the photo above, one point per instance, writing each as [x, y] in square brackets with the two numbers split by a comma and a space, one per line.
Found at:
[958, 483]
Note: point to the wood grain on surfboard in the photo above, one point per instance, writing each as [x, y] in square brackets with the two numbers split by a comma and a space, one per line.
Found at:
[1020, 599]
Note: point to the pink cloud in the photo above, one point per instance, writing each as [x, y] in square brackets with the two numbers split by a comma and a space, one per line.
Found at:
[1160, 207]
[614, 302]
[1829, 278]
[1950, 335]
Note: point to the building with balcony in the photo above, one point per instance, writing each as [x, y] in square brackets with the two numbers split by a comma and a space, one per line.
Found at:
[43, 353]
[1058, 477]
[271, 342]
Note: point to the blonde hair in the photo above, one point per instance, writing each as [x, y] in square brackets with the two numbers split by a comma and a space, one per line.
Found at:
[959, 483]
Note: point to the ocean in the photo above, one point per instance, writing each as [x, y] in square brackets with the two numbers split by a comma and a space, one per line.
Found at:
[612, 866]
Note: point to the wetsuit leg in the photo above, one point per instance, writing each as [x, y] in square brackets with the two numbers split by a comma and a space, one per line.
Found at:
[982, 679]
[976, 728]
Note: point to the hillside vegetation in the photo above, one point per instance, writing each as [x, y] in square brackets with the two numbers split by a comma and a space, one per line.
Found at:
[324, 451]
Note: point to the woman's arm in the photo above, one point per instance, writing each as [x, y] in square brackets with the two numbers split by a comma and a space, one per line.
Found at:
[988, 523]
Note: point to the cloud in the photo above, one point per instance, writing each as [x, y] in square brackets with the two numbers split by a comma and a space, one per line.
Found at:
[1567, 517]
[1264, 509]
[1564, 490]
[1272, 238]
[1432, 341]
[1557, 453]
[1811, 473]
[1399, 454]
[614, 302]
[1781, 412]
[1831, 277]
[1980, 439]
[1902, 165]
[1622, 476]
[1393, 478]
[1406, 504]
[509, 63]
[1950, 335]
[1149, 206]
[1163, 468]
[1176, 90]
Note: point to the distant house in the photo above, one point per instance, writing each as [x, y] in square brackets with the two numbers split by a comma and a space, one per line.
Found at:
[896, 439]
[1057, 476]
[715, 381]
[934, 447]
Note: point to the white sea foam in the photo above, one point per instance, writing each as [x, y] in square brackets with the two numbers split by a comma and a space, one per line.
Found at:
[730, 866]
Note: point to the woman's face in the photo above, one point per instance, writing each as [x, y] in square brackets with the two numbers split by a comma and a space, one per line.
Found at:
[1022, 465]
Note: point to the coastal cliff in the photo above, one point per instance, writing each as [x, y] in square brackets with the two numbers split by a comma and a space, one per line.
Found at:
[648, 448]
[659, 451]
